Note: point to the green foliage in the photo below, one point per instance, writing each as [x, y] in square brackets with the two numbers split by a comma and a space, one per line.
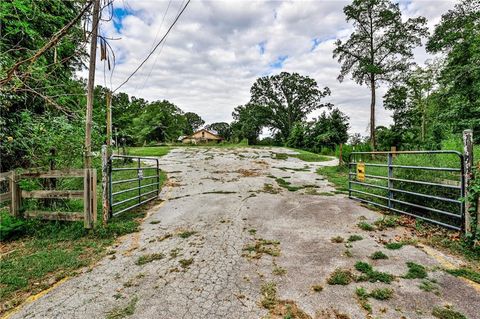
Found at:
[381, 293]
[415, 271]
[249, 119]
[340, 277]
[447, 313]
[10, 226]
[288, 99]
[193, 122]
[394, 245]
[366, 226]
[145, 259]
[378, 255]
[222, 128]
[384, 51]
[354, 238]
[465, 273]
[325, 132]
[372, 275]
[457, 35]
[156, 151]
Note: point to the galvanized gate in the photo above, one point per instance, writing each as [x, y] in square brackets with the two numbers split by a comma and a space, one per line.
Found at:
[415, 183]
[133, 181]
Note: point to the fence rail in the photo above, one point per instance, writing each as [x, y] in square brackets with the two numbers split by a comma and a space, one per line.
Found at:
[16, 195]
[391, 187]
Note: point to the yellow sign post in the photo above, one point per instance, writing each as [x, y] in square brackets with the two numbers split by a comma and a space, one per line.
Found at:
[361, 172]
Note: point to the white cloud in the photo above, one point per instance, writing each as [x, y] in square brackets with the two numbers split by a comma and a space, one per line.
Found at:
[218, 48]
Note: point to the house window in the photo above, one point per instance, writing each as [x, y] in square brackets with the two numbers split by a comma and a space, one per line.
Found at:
[203, 134]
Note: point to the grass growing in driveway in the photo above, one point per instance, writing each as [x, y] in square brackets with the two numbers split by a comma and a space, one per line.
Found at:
[309, 156]
[337, 175]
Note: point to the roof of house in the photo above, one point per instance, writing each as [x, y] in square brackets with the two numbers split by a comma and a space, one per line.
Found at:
[183, 137]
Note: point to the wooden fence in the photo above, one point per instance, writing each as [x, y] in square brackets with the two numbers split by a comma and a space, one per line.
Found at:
[89, 194]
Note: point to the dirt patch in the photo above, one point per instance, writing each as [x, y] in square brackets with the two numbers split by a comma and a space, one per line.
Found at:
[248, 172]
[288, 309]
[171, 183]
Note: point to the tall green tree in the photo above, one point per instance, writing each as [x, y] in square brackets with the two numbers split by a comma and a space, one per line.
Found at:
[249, 120]
[222, 128]
[45, 91]
[458, 36]
[410, 102]
[194, 122]
[160, 121]
[379, 48]
[287, 98]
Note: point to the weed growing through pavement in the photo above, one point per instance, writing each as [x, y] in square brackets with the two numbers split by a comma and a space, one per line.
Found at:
[447, 313]
[354, 238]
[186, 233]
[365, 226]
[340, 277]
[337, 239]
[378, 255]
[185, 263]
[145, 259]
[120, 313]
[368, 273]
[415, 271]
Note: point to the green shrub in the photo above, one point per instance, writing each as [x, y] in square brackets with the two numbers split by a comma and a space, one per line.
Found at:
[415, 271]
[354, 238]
[340, 277]
[10, 226]
[394, 245]
[447, 313]
[381, 293]
[366, 226]
[378, 255]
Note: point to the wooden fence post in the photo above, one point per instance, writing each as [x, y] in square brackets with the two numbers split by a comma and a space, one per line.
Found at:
[340, 157]
[468, 165]
[478, 201]
[105, 185]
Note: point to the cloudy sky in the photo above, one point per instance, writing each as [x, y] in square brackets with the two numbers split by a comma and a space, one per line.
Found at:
[218, 48]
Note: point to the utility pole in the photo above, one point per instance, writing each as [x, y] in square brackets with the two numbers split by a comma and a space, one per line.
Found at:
[90, 84]
[90, 205]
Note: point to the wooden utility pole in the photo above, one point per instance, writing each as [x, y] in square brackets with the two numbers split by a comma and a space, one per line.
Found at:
[91, 84]
[90, 193]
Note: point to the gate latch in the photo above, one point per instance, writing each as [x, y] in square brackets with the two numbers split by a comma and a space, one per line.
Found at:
[140, 174]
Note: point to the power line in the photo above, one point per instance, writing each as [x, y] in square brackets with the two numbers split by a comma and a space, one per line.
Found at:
[154, 41]
[156, 46]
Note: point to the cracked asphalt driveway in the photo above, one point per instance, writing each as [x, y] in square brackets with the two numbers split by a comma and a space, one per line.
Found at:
[227, 229]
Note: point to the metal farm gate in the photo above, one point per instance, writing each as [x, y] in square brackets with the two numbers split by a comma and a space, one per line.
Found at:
[428, 185]
[132, 181]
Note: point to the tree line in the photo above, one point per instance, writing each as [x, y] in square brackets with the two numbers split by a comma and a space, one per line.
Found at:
[43, 105]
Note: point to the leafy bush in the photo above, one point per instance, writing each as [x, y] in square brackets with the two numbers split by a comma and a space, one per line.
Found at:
[10, 226]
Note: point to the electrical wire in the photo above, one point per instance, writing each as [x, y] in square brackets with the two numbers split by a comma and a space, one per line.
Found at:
[156, 46]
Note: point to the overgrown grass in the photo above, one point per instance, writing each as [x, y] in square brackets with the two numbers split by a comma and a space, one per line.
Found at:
[337, 175]
[156, 151]
[309, 156]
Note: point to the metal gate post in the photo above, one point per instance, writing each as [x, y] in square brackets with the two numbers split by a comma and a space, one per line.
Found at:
[105, 185]
[158, 179]
[139, 182]
[468, 165]
[390, 182]
[349, 175]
